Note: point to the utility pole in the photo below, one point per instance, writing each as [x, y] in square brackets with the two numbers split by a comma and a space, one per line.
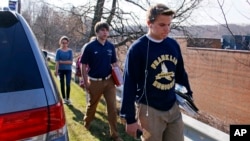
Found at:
[19, 7]
[15, 5]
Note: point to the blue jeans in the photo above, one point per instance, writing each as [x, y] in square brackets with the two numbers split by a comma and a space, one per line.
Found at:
[62, 75]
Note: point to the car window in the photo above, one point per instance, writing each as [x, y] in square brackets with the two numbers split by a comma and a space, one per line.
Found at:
[18, 67]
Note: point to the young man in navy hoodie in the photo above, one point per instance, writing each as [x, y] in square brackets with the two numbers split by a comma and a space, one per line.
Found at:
[153, 65]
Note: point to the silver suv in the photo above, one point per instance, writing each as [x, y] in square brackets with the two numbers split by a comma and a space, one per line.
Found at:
[30, 105]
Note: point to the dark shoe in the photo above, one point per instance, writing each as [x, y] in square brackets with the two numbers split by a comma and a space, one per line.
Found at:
[86, 126]
[117, 139]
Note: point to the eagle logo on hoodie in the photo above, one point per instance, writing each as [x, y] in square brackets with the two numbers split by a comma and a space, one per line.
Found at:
[164, 73]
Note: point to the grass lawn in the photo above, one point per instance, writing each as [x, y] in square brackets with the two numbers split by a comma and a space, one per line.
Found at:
[99, 129]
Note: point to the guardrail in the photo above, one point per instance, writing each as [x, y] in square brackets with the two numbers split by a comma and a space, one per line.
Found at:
[198, 131]
[194, 130]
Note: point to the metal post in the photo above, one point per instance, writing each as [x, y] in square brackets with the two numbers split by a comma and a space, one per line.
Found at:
[19, 6]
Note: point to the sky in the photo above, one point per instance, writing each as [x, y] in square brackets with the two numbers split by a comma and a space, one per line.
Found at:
[209, 13]
[236, 11]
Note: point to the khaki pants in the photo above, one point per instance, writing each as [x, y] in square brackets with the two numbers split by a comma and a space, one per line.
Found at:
[108, 90]
[161, 125]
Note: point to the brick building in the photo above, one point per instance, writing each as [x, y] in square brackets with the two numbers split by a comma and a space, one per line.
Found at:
[220, 80]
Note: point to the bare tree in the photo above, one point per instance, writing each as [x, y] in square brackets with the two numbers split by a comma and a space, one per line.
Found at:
[240, 40]
[43, 26]
[97, 15]
[224, 15]
[122, 29]
[78, 22]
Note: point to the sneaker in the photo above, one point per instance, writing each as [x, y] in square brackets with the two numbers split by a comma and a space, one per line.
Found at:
[64, 101]
[69, 102]
[86, 126]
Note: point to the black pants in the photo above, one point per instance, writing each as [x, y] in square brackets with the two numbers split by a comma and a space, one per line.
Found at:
[65, 74]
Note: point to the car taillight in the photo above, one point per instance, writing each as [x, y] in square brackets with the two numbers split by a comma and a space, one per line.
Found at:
[32, 123]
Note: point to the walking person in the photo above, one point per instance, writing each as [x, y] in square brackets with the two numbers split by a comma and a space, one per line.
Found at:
[100, 56]
[84, 46]
[87, 68]
[63, 67]
[80, 57]
[153, 65]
